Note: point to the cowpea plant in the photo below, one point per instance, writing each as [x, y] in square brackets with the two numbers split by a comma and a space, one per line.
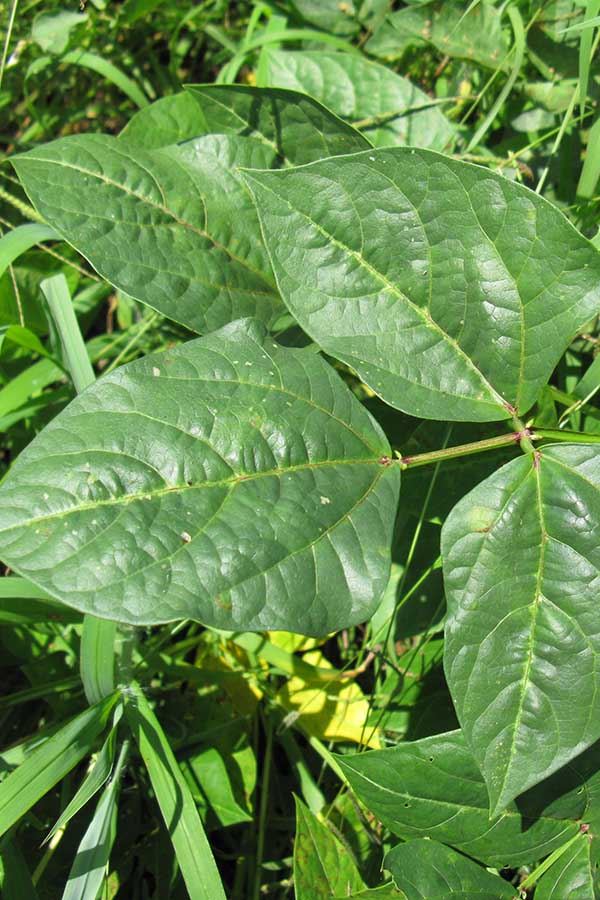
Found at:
[241, 482]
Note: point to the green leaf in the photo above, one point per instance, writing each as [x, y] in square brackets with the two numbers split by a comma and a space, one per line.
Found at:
[433, 788]
[394, 111]
[431, 277]
[15, 878]
[44, 767]
[329, 15]
[169, 120]
[426, 870]
[573, 875]
[158, 224]
[294, 127]
[384, 892]
[228, 480]
[521, 563]
[97, 776]
[88, 869]
[177, 806]
[322, 864]
[207, 776]
[472, 32]
[22, 238]
[52, 30]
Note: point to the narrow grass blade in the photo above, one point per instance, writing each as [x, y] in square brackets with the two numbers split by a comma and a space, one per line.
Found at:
[45, 690]
[585, 51]
[93, 781]
[179, 811]
[23, 238]
[519, 33]
[93, 853]
[15, 877]
[97, 662]
[24, 603]
[591, 166]
[44, 767]
[56, 292]
[109, 71]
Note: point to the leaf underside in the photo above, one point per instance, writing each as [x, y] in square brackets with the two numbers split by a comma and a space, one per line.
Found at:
[229, 480]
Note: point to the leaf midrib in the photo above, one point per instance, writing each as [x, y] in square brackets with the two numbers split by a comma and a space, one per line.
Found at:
[159, 492]
[162, 207]
[496, 399]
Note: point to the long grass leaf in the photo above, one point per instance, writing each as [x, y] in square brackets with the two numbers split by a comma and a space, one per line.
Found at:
[44, 767]
[179, 811]
[107, 70]
[91, 784]
[93, 853]
[23, 238]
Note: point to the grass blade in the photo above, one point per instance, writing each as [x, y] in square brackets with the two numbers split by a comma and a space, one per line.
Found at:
[87, 872]
[23, 238]
[179, 811]
[51, 762]
[24, 603]
[591, 166]
[107, 70]
[585, 51]
[93, 781]
[15, 877]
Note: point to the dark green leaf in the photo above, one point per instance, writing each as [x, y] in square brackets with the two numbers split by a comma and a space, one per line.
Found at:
[426, 870]
[433, 788]
[323, 866]
[330, 15]
[388, 108]
[158, 224]
[228, 480]
[521, 560]
[431, 277]
[294, 127]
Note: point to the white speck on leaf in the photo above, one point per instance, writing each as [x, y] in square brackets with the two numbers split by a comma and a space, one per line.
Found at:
[155, 371]
[185, 537]
[325, 501]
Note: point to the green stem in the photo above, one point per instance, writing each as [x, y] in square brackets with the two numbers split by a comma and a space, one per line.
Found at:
[425, 459]
[97, 661]
[559, 434]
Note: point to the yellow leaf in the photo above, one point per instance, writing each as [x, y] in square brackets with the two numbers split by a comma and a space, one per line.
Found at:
[331, 710]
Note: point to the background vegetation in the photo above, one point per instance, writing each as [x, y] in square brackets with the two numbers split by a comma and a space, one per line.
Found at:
[512, 86]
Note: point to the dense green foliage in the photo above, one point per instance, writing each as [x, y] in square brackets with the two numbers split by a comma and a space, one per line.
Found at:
[329, 301]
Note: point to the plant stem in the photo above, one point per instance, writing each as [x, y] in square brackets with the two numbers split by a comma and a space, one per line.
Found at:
[559, 434]
[424, 459]
[97, 662]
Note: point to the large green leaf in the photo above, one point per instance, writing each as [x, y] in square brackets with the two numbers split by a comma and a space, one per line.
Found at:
[330, 15]
[521, 565]
[296, 128]
[394, 110]
[229, 480]
[426, 870]
[433, 788]
[472, 32]
[450, 290]
[573, 875]
[166, 121]
[174, 228]
[323, 867]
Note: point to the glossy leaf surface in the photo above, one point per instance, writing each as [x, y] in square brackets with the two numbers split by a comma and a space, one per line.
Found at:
[166, 121]
[573, 875]
[296, 128]
[451, 291]
[433, 788]
[394, 110]
[323, 867]
[229, 480]
[426, 870]
[174, 228]
[521, 564]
